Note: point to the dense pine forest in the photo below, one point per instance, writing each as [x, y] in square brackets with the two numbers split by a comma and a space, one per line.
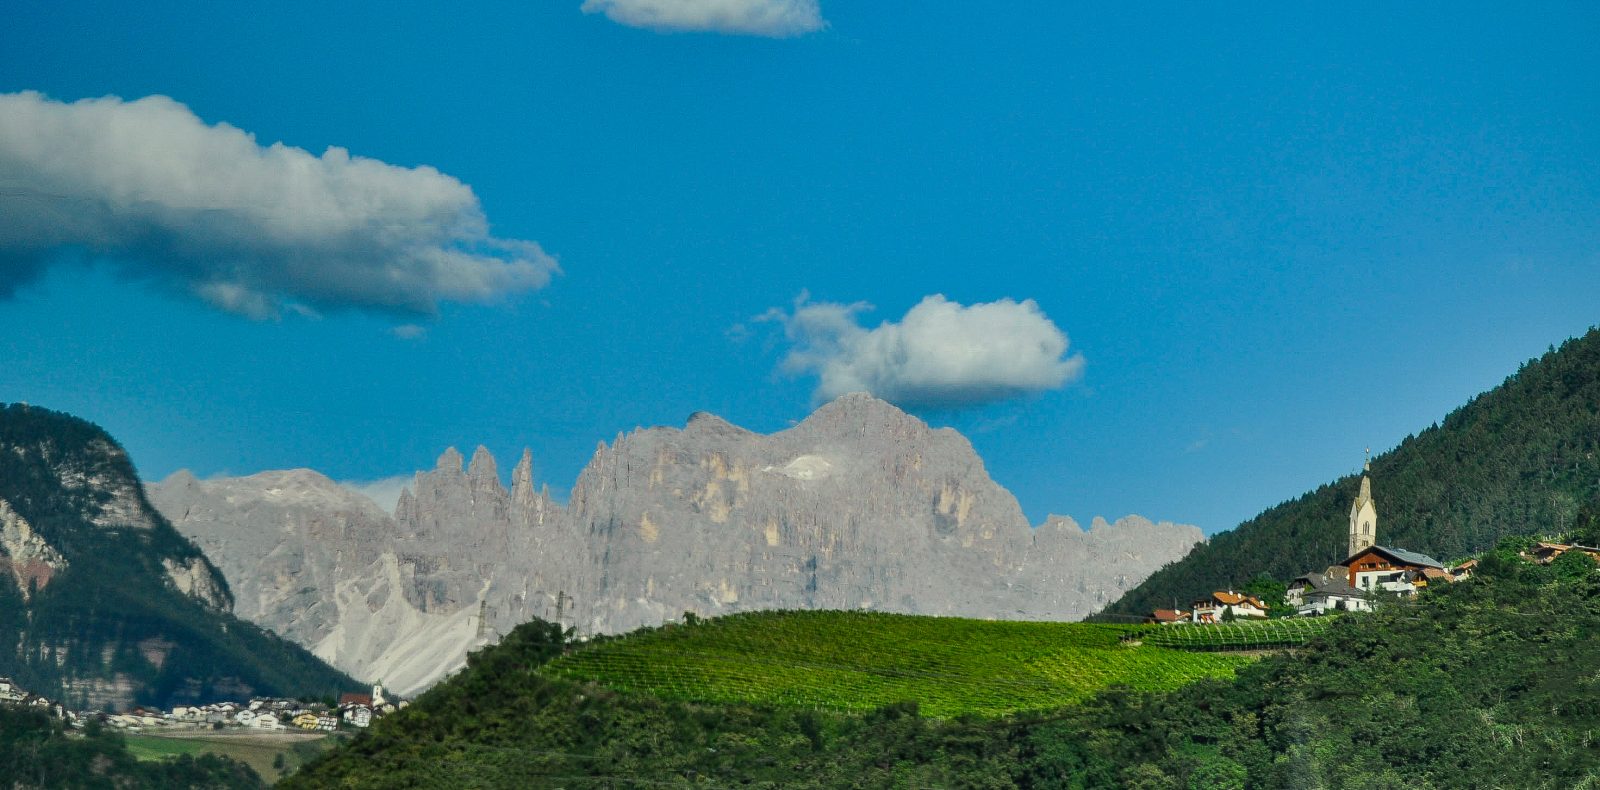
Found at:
[1519, 459]
[1484, 683]
[102, 618]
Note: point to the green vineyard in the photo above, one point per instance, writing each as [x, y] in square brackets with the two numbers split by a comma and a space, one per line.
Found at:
[1243, 635]
[864, 660]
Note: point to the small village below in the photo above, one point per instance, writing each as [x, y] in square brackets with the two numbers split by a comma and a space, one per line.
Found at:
[353, 711]
[1369, 572]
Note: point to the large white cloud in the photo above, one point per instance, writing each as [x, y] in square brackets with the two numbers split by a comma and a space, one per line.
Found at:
[775, 18]
[249, 228]
[940, 355]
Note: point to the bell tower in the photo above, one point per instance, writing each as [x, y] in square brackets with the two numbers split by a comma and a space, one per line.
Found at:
[1363, 513]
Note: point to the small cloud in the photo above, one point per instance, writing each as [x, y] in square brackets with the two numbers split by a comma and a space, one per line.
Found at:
[771, 18]
[1196, 445]
[384, 491]
[941, 354]
[408, 331]
[251, 229]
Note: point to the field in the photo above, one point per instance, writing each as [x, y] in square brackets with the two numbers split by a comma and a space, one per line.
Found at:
[259, 750]
[1240, 635]
[863, 660]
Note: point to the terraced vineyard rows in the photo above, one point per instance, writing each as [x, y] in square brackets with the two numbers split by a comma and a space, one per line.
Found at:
[863, 660]
[1243, 635]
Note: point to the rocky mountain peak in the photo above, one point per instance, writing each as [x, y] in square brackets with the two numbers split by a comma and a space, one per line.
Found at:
[522, 475]
[449, 461]
[862, 415]
[706, 423]
[483, 472]
[181, 478]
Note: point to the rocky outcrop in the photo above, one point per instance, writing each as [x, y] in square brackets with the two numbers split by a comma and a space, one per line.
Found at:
[24, 553]
[859, 506]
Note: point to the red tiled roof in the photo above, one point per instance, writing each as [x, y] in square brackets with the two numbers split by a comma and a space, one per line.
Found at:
[1233, 599]
[355, 699]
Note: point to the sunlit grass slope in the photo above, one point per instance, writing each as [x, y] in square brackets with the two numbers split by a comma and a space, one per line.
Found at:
[1241, 635]
[864, 660]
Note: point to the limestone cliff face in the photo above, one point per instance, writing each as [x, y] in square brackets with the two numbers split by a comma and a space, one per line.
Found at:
[282, 539]
[859, 506]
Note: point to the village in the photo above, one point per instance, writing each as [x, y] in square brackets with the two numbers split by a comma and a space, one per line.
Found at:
[262, 714]
[1369, 572]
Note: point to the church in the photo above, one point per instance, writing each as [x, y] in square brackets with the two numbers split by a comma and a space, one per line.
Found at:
[1368, 569]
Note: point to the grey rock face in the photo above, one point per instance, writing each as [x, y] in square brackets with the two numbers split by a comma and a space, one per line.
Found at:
[283, 540]
[859, 506]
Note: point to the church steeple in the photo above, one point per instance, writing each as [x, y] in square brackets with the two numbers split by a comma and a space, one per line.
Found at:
[1363, 513]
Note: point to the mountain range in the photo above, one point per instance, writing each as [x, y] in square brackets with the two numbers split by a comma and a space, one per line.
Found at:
[860, 506]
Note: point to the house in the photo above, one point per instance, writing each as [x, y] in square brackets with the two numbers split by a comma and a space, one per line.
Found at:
[147, 717]
[353, 698]
[327, 722]
[1464, 570]
[266, 721]
[1168, 617]
[306, 721]
[244, 717]
[11, 692]
[357, 715]
[1385, 569]
[1295, 594]
[1545, 552]
[1331, 592]
[1212, 608]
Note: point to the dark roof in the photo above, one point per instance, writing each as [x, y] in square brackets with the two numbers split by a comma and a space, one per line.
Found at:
[1407, 557]
[1330, 584]
[1413, 557]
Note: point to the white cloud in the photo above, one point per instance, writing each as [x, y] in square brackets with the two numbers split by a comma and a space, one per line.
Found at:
[251, 229]
[940, 355]
[409, 331]
[385, 492]
[774, 18]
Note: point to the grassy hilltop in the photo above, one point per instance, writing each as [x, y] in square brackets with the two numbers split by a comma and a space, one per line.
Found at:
[864, 660]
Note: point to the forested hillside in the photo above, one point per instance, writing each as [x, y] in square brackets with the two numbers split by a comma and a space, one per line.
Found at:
[1519, 459]
[1483, 683]
[102, 602]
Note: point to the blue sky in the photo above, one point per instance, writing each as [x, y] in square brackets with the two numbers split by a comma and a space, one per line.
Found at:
[1273, 236]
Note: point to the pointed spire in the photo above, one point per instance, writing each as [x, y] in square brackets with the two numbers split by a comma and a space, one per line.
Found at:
[1363, 512]
[483, 467]
[522, 476]
[449, 461]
